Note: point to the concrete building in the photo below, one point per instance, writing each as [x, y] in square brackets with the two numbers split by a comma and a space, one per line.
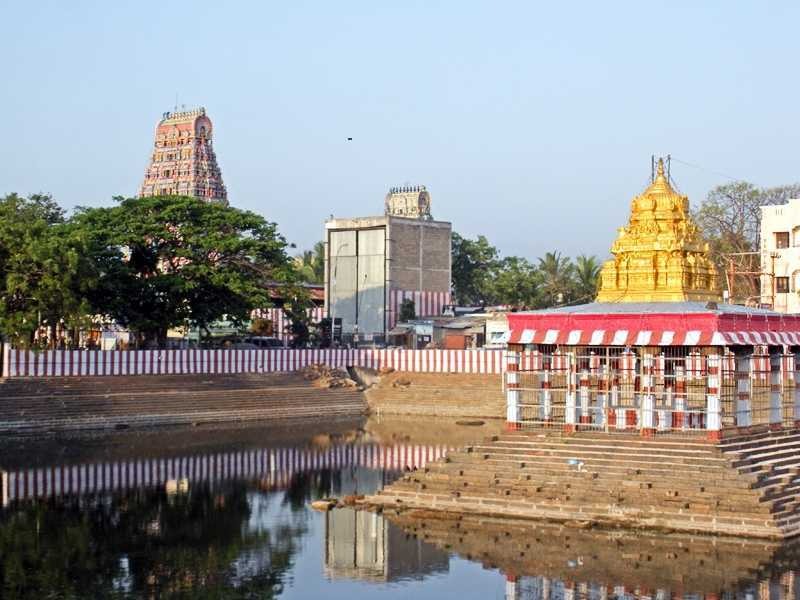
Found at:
[183, 160]
[373, 264]
[780, 256]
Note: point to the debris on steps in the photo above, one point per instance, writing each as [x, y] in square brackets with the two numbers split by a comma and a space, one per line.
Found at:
[326, 504]
[323, 376]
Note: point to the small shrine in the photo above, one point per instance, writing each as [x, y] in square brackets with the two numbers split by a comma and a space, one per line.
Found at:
[659, 256]
[659, 406]
[659, 351]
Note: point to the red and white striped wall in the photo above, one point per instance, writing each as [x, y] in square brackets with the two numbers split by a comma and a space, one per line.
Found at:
[426, 304]
[282, 323]
[86, 363]
[276, 466]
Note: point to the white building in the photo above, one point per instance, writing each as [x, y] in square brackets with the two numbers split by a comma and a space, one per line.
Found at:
[780, 256]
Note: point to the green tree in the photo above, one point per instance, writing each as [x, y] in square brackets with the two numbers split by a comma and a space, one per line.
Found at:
[298, 309]
[516, 282]
[44, 270]
[310, 264]
[586, 273]
[730, 220]
[556, 274]
[473, 262]
[170, 261]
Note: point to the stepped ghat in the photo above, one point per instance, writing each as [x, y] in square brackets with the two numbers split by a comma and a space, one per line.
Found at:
[658, 406]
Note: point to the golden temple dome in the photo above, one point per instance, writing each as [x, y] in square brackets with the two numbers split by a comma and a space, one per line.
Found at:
[659, 256]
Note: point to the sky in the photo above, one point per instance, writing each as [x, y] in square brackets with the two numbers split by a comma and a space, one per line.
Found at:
[531, 123]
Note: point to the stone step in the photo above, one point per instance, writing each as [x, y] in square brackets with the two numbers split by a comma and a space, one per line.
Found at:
[728, 524]
[602, 452]
[748, 442]
[588, 461]
[155, 400]
[579, 489]
[716, 477]
[609, 443]
[622, 477]
[780, 457]
[611, 439]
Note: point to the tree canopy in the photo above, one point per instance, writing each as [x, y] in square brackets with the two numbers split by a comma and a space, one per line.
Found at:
[311, 264]
[481, 277]
[730, 219]
[170, 261]
[44, 273]
[148, 264]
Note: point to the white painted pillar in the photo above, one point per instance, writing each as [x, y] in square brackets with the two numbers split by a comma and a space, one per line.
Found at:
[571, 409]
[512, 389]
[647, 401]
[619, 413]
[796, 395]
[775, 387]
[512, 590]
[744, 415]
[788, 411]
[546, 403]
[585, 414]
[713, 407]
[667, 416]
[679, 413]
[6, 359]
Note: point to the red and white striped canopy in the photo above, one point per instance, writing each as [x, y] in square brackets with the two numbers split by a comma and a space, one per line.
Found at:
[656, 324]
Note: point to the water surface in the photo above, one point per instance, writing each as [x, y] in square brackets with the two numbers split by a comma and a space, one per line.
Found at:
[225, 513]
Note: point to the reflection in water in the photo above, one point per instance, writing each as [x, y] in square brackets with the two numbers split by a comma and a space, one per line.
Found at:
[275, 468]
[236, 523]
[209, 522]
[546, 560]
[143, 541]
[363, 545]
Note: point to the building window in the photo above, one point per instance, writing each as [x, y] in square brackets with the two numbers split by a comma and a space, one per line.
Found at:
[781, 239]
[781, 285]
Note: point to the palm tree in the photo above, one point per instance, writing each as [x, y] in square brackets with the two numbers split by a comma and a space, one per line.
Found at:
[310, 264]
[304, 264]
[556, 272]
[587, 276]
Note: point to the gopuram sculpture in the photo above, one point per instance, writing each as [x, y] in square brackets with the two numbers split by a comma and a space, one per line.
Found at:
[183, 161]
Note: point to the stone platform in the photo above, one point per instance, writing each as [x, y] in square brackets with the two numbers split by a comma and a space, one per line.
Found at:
[745, 486]
[83, 403]
[438, 394]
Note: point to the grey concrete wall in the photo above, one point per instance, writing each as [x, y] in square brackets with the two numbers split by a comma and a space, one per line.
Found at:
[419, 255]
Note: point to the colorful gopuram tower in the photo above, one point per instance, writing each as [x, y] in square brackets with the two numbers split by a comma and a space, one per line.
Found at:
[183, 160]
[659, 256]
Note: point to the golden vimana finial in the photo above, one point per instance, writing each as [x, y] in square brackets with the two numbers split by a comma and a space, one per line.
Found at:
[659, 256]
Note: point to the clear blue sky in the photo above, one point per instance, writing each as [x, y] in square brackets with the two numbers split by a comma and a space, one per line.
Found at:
[532, 123]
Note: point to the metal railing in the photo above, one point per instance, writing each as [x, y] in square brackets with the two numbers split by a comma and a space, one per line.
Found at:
[669, 392]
